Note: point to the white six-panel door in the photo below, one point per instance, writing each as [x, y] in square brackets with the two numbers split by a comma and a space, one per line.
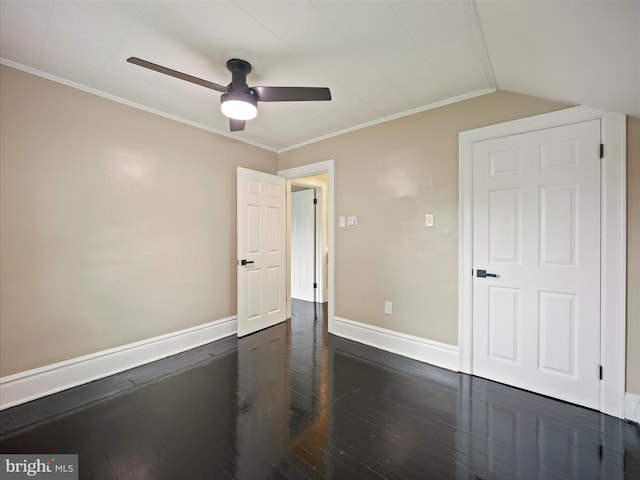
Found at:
[536, 226]
[261, 250]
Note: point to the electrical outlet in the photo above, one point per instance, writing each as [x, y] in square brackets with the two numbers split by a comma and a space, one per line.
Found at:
[388, 308]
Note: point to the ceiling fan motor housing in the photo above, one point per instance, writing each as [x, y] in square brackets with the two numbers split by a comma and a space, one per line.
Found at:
[239, 70]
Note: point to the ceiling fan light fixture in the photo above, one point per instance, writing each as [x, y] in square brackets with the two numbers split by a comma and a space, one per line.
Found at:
[239, 105]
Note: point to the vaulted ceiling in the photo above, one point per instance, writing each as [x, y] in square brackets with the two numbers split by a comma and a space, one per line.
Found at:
[381, 59]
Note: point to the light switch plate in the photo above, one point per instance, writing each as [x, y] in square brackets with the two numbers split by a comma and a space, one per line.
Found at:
[352, 221]
[429, 221]
[342, 222]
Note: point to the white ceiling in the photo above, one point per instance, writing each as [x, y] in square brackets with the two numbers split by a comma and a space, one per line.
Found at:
[381, 59]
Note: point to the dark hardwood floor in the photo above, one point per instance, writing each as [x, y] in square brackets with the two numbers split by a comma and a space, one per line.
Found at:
[292, 402]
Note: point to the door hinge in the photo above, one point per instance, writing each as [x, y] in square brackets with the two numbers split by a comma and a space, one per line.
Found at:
[315, 285]
[315, 201]
[602, 150]
[600, 371]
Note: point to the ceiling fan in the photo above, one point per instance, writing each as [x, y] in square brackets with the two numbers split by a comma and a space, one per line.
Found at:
[238, 101]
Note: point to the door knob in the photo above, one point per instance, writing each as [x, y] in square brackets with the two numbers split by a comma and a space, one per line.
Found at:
[245, 262]
[483, 274]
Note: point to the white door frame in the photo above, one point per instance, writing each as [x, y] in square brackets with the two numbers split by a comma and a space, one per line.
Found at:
[613, 240]
[327, 167]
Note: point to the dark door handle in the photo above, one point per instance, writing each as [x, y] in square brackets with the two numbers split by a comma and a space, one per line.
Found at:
[245, 262]
[483, 274]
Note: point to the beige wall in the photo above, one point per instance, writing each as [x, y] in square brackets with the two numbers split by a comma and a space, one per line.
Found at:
[116, 225]
[633, 255]
[389, 175]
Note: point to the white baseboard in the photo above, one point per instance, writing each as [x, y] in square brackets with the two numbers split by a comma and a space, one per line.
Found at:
[632, 407]
[434, 353]
[39, 382]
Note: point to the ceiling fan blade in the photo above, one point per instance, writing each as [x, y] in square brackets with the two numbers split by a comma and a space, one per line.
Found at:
[292, 94]
[176, 74]
[236, 125]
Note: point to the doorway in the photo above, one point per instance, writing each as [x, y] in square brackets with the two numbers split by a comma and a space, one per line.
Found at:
[318, 176]
[308, 237]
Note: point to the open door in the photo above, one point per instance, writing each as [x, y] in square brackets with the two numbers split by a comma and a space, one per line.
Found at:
[261, 251]
[304, 282]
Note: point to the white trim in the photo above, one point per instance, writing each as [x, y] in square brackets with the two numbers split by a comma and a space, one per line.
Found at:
[26, 386]
[129, 103]
[613, 271]
[613, 305]
[428, 351]
[473, 19]
[473, 25]
[327, 167]
[632, 407]
[388, 118]
[234, 136]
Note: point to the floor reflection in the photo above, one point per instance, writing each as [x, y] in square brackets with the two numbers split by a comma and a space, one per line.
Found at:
[294, 402]
[263, 400]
